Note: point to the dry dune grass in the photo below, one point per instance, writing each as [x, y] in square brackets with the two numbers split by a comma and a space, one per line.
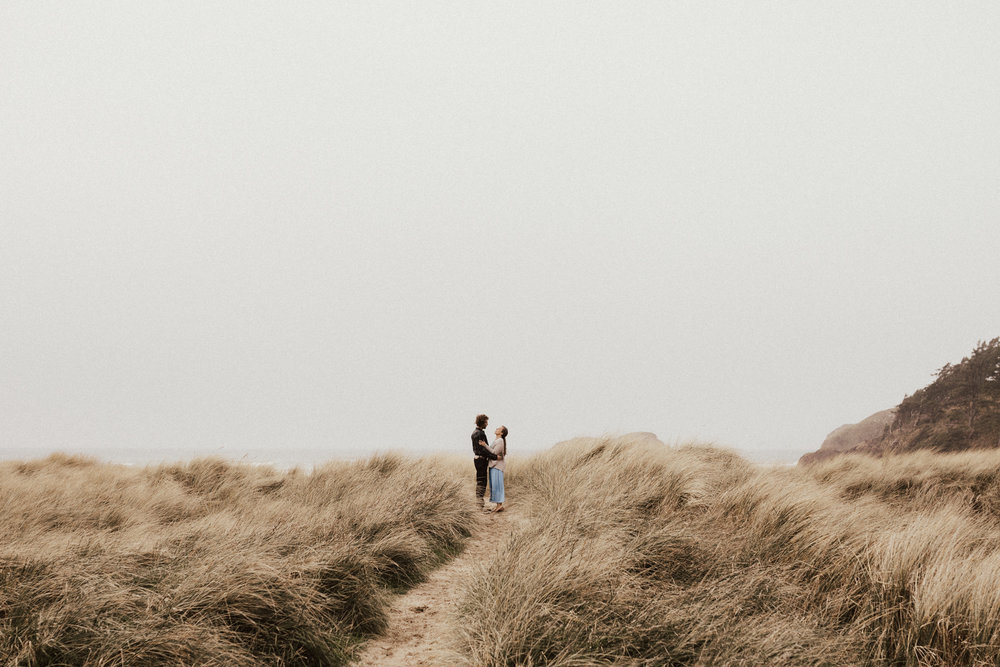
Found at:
[642, 555]
[622, 551]
[213, 563]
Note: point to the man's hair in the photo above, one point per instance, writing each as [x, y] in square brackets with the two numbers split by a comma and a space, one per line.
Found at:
[481, 421]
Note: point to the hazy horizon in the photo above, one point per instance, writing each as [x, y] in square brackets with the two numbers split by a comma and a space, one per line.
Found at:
[343, 227]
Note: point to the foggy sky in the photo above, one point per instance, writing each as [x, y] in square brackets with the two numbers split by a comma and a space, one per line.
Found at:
[347, 227]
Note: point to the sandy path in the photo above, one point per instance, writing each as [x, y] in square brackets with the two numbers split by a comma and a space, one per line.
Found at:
[419, 620]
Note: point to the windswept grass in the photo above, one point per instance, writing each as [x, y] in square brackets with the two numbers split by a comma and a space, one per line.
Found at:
[622, 551]
[638, 554]
[213, 563]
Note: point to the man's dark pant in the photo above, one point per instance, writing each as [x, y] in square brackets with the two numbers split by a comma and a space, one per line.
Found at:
[482, 464]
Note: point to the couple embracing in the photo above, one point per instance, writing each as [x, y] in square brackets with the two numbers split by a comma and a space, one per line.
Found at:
[489, 459]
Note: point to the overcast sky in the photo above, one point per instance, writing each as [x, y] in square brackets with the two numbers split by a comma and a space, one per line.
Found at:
[341, 227]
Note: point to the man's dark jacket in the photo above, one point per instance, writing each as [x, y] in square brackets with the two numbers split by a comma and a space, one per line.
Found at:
[478, 449]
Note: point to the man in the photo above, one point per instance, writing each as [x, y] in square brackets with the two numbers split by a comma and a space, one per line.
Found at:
[480, 449]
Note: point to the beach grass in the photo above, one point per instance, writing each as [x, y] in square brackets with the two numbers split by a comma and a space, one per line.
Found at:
[619, 551]
[211, 562]
[633, 553]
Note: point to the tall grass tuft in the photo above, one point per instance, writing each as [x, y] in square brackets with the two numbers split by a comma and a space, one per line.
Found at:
[211, 562]
[634, 553]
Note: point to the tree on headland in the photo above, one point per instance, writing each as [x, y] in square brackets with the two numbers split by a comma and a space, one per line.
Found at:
[978, 380]
[959, 410]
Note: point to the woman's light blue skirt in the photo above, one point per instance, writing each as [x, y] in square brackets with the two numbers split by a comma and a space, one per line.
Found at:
[496, 485]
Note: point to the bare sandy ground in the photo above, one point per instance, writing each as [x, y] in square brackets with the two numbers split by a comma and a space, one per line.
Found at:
[420, 620]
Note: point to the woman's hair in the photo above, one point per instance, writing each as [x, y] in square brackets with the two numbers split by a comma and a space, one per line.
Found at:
[481, 421]
[503, 436]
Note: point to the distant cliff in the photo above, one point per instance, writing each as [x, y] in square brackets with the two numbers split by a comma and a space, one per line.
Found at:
[958, 410]
[852, 436]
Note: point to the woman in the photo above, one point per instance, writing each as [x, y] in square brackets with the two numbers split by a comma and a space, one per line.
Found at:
[497, 467]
